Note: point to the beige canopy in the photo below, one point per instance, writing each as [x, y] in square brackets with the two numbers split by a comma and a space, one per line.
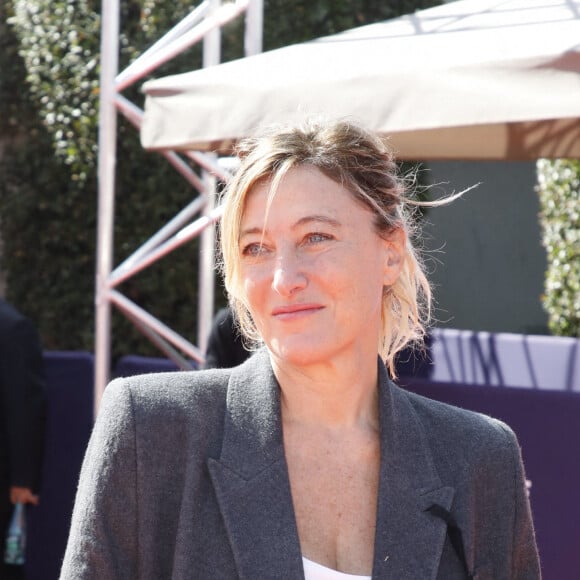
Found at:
[471, 79]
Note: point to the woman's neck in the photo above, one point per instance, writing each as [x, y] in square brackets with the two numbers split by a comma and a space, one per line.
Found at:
[332, 394]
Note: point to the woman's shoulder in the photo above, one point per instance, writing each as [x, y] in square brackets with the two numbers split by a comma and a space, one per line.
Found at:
[462, 418]
[170, 392]
[451, 429]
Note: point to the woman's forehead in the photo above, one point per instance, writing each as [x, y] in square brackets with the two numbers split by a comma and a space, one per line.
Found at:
[294, 182]
[304, 194]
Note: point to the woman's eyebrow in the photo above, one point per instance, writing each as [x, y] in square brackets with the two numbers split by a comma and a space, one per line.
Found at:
[251, 231]
[317, 218]
[301, 222]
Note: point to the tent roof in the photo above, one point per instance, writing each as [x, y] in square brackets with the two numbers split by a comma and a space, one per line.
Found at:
[490, 79]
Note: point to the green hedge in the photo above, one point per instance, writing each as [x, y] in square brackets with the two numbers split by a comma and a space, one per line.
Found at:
[48, 201]
[559, 190]
[49, 58]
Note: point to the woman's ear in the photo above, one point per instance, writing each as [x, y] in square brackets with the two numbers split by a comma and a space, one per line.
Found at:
[395, 246]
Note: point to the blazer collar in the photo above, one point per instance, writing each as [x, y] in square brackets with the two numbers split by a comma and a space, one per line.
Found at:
[253, 489]
[251, 477]
[409, 539]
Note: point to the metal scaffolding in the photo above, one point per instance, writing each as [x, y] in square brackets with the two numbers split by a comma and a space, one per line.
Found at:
[203, 24]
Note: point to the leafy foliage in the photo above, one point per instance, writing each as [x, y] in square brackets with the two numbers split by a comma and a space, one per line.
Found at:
[49, 58]
[559, 190]
[48, 199]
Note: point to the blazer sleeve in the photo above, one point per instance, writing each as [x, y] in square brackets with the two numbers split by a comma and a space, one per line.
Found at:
[525, 564]
[103, 537]
[24, 402]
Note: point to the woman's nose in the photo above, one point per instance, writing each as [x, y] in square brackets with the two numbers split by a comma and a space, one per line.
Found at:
[289, 275]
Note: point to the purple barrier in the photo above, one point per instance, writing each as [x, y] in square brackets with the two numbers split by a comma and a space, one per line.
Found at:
[135, 365]
[510, 360]
[548, 427]
[69, 381]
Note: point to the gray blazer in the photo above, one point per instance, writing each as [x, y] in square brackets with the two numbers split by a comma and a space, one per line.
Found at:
[185, 478]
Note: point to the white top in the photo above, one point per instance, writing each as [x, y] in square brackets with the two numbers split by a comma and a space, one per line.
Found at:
[314, 571]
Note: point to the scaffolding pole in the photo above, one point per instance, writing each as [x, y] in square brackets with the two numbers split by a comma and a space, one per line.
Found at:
[205, 21]
[106, 192]
[206, 270]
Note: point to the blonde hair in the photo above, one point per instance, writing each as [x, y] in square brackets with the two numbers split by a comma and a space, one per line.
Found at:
[362, 163]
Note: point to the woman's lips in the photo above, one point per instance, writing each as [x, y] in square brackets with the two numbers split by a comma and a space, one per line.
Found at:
[293, 311]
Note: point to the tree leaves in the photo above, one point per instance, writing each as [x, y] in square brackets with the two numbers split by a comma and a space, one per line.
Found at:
[559, 191]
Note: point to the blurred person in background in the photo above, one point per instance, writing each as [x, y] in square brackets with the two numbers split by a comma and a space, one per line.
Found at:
[225, 345]
[22, 420]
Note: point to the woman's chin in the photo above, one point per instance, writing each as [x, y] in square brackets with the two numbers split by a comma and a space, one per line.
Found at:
[299, 352]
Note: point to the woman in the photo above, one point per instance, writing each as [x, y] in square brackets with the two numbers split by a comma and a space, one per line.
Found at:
[306, 461]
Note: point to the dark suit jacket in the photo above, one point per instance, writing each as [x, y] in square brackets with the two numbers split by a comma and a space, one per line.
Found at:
[22, 401]
[225, 346]
[185, 477]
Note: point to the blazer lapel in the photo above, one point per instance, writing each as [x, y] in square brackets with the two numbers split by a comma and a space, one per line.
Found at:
[253, 490]
[251, 478]
[409, 539]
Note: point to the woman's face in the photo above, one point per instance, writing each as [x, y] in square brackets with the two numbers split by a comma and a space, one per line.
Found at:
[314, 268]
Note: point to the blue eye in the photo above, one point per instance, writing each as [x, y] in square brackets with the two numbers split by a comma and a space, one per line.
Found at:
[317, 238]
[254, 250]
